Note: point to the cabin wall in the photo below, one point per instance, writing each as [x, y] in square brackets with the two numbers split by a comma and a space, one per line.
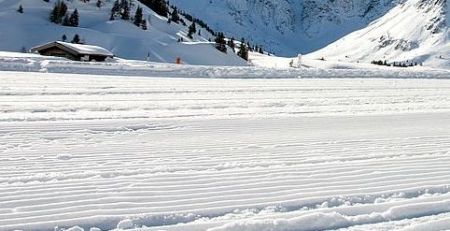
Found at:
[55, 51]
[98, 58]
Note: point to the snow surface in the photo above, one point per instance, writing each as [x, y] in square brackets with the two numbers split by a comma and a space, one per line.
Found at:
[90, 152]
[159, 43]
[263, 67]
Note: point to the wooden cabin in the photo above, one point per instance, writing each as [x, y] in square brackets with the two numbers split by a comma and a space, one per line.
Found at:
[77, 52]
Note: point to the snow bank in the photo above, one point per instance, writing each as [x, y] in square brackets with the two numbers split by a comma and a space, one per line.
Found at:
[334, 220]
[318, 221]
[120, 67]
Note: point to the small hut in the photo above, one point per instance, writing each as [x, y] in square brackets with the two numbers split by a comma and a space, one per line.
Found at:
[78, 52]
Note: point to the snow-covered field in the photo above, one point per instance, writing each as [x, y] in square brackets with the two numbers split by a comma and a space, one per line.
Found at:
[262, 66]
[192, 154]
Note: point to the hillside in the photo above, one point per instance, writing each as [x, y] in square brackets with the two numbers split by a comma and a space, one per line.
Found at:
[413, 32]
[159, 43]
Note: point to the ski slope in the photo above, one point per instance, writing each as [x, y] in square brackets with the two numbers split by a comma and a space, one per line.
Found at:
[113, 152]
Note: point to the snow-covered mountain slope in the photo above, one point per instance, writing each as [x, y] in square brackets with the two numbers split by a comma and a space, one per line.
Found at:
[365, 30]
[416, 31]
[159, 43]
[287, 27]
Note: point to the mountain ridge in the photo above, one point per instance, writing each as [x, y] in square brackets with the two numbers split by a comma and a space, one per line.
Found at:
[288, 27]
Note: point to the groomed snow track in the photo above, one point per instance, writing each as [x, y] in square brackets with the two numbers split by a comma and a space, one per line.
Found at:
[214, 154]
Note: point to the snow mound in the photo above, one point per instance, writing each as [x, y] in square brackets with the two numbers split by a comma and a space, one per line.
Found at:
[75, 228]
[125, 224]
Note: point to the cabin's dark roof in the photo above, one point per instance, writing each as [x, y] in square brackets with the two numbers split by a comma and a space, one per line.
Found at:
[76, 49]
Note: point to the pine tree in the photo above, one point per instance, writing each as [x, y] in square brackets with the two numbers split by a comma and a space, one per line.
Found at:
[99, 3]
[243, 51]
[54, 14]
[62, 10]
[76, 39]
[192, 30]
[58, 12]
[231, 44]
[175, 17]
[115, 9]
[125, 14]
[74, 18]
[161, 8]
[221, 43]
[138, 16]
[66, 21]
[64, 38]
[158, 6]
[20, 10]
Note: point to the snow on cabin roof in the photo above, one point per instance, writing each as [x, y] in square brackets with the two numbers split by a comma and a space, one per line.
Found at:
[86, 49]
[78, 48]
